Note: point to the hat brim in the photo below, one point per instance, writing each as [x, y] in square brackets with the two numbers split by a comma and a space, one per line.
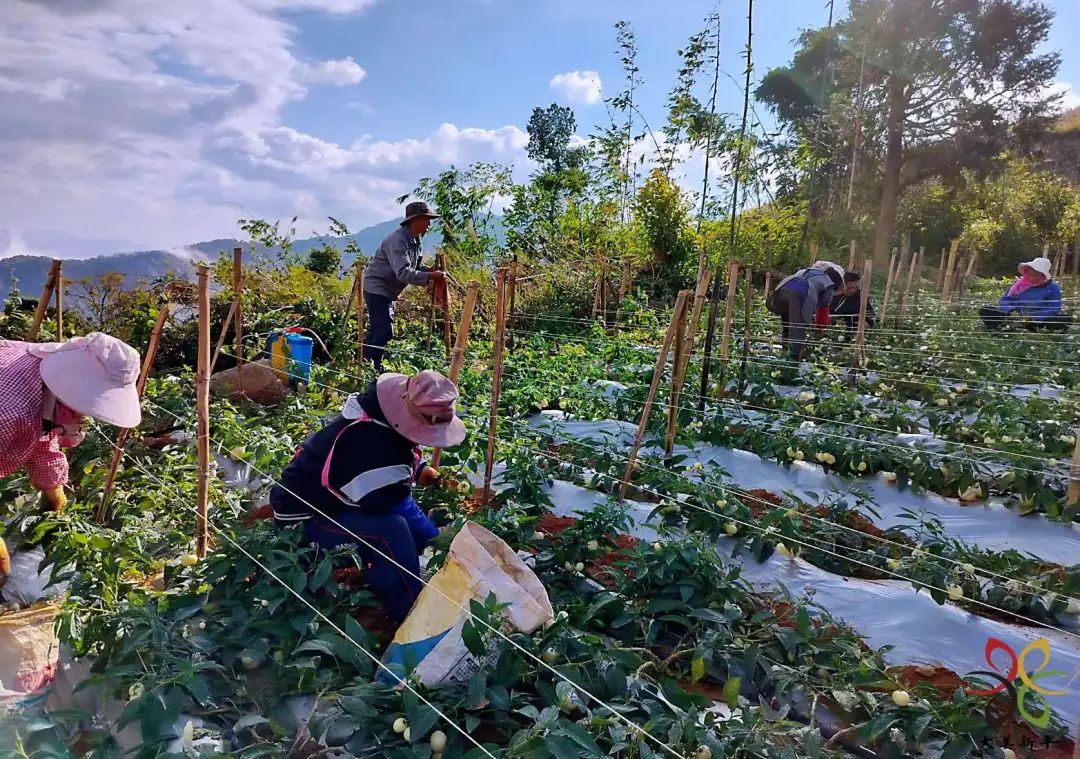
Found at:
[418, 215]
[89, 393]
[1036, 269]
[390, 388]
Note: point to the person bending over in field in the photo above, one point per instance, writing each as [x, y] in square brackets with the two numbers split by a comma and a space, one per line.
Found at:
[845, 303]
[350, 483]
[1034, 295]
[49, 390]
[802, 300]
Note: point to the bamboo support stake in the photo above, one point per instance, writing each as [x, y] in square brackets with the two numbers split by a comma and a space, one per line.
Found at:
[950, 271]
[941, 270]
[238, 306]
[511, 301]
[676, 370]
[460, 345]
[813, 252]
[43, 302]
[658, 372]
[202, 412]
[58, 288]
[102, 513]
[678, 377]
[1072, 496]
[748, 295]
[912, 268]
[496, 378]
[1076, 257]
[729, 308]
[860, 331]
[361, 316]
[229, 317]
[973, 264]
[448, 327]
[768, 285]
[894, 267]
[851, 256]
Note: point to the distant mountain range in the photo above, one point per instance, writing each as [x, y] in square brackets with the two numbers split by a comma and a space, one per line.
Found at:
[144, 266]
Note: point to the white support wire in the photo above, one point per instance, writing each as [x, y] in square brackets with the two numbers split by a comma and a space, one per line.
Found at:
[818, 547]
[378, 662]
[463, 608]
[742, 494]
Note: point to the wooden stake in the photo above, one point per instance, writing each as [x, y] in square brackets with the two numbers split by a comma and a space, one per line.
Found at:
[221, 338]
[676, 370]
[58, 288]
[678, 378]
[851, 256]
[748, 295]
[43, 302]
[509, 308]
[1072, 496]
[496, 378]
[1076, 261]
[238, 305]
[460, 345]
[973, 264]
[950, 272]
[658, 372]
[596, 305]
[941, 270]
[813, 252]
[912, 268]
[864, 297]
[894, 267]
[361, 317]
[448, 328]
[729, 308]
[102, 513]
[202, 412]
[768, 284]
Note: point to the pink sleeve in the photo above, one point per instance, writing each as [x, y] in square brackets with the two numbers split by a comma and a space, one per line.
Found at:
[47, 465]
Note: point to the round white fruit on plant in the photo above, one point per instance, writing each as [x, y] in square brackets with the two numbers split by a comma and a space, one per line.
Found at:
[969, 568]
[538, 535]
[407, 735]
[550, 656]
[894, 564]
[188, 560]
[401, 725]
[731, 528]
[889, 477]
[955, 592]
[703, 752]
[901, 698]
[593, 545]
[1008, 753]
[579, 567]
[437, 741]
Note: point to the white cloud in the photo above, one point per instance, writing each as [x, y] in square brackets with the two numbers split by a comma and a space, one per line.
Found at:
[579, 86]
[1070, 97]
[339, 72]
[147, 122]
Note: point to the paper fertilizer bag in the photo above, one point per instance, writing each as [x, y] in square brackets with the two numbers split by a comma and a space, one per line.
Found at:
[429, 643]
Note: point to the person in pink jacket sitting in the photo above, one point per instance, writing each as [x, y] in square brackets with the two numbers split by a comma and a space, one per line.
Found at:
[47, 391]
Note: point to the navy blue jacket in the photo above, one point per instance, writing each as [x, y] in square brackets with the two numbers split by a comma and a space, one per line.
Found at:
[373, 468]
[1037, 302]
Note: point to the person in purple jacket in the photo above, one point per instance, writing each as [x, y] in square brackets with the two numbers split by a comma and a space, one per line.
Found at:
[1034, 296]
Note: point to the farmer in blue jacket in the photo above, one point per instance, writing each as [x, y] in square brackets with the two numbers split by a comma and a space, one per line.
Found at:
[797, 300]
[1034, 295]
[351, 482]
[395, 266]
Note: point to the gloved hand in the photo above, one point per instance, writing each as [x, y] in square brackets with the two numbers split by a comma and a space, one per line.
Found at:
[55, 498]
[428, 476]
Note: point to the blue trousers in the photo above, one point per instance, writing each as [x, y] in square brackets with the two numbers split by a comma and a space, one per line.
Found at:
[393, 580]
[380, 327]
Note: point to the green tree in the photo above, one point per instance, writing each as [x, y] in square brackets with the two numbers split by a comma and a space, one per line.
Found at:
[939, 85]
[465, 199]
[664, 215]
[561, 172]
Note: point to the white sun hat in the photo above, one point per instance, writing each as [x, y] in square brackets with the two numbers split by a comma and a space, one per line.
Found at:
[1040, 264]
[94, 376]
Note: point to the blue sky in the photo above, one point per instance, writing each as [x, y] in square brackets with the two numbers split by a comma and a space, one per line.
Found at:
[157, 124]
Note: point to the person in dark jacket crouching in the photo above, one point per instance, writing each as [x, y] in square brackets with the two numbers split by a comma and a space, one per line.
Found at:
[797, 301]
[350, 483]
[845, 304]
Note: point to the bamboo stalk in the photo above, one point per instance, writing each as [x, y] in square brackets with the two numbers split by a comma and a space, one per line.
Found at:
[813, 252]
[102, 513]
[58, 289]
[941, 270]
[748, 295]
[361, 316]
[496, 378]
[221, 338]
[864, 297]
[950, 272]
[851, 256]
[729, 308]
[768, 284]
[202, 412]
[238, 306]
[1072, 496]
[43, 302]
[676, 367]
[658, 372]
[510, 307]
[894, 266]
[973, 264]
[460, 345]
[913, 267]
[678, 377]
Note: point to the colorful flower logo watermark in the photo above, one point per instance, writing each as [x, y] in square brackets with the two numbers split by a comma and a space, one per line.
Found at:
[1016, 699]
